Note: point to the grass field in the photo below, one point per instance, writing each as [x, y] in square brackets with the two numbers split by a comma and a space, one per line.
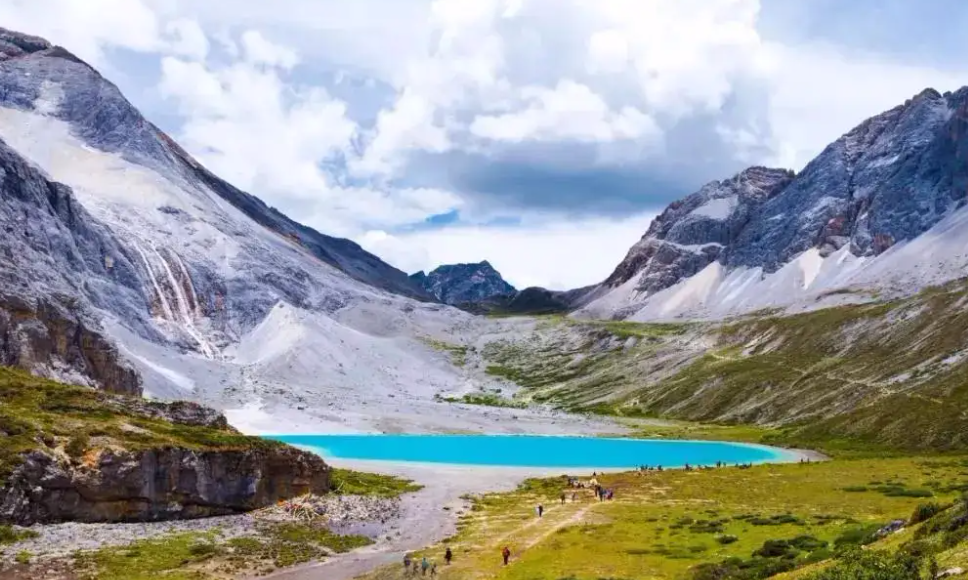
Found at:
[663, 525]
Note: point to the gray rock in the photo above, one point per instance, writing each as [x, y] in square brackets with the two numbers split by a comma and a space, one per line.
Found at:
[464, 283]
[157, 484]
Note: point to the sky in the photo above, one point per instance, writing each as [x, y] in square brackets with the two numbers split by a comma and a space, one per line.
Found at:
[541, 135]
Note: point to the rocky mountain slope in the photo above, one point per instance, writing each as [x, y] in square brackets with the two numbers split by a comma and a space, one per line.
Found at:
[878, 212]
[134, 253]
[58, 263]
[464, 283]
[46, 79]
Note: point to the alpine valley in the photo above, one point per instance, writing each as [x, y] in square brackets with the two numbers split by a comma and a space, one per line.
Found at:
[822, 310]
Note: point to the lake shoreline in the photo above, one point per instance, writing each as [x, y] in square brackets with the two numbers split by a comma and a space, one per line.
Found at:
[431, 514]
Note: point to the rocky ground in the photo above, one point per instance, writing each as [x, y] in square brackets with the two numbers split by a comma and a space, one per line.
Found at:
[375, 517]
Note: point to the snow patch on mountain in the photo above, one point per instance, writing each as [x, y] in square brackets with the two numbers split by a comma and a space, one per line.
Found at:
[717, 209]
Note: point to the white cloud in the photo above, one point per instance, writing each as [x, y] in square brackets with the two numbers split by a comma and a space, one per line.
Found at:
[260, 50]
[569, 112]
[630, 81]
[818, 93]
[187, 39]
[86, 28]
[553, 252]
[272, 138]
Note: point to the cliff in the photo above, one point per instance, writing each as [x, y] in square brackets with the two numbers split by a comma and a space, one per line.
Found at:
[72, 453]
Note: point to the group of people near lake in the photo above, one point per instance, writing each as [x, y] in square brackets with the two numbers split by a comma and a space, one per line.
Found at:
[414, 567]
[424, 566]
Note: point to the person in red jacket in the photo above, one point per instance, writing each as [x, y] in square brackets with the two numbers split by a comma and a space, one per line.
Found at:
[506, 553]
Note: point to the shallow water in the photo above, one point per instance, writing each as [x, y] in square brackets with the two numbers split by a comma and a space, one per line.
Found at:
[534, 451]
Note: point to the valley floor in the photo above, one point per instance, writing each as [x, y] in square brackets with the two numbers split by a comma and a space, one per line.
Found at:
[662, 525]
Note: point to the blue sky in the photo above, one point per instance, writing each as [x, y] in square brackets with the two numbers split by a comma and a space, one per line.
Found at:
[542, 135]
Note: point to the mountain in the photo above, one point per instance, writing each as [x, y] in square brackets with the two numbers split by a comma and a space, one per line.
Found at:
[49, 80]
[127, 265]
[464, 283]
[879, 213]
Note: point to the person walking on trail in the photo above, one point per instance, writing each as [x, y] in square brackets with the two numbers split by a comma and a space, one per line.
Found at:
[433, 569]
[562, 498]
[424, 564]
[506, 554]
[406, 562]
[448, 556]
[540, 510]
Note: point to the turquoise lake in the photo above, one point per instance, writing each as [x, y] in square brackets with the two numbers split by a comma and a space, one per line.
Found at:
[534, 451]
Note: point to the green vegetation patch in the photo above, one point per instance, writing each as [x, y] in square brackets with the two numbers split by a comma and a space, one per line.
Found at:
[11, 535]
[718, 524]
[458, 352]
[206, 555]
[348, 482]
[486, 400]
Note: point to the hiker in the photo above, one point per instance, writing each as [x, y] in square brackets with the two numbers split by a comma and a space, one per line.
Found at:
[562, 498]
[448, 556]
[506, 553]
[540, 510]
[406, 562]
[424, 564]
[574, 497]
[433, 569]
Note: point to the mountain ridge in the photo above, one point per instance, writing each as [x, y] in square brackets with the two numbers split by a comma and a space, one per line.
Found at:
[104, 118]
[850, 220]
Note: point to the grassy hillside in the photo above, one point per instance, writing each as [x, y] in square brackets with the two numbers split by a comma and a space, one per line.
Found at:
[891, 375]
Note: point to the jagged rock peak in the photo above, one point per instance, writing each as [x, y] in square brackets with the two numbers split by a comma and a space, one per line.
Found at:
[14, 43]
[693, 231]
[464, 283]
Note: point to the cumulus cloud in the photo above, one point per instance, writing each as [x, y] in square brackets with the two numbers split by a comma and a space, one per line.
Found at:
[374, 115]
[274, 139]
[569, 112]
[88, 27]
[260, 50]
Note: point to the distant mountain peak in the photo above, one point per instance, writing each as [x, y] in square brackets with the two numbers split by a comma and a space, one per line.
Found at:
[464, 283]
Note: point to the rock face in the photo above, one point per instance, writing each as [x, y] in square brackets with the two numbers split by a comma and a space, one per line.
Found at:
[889, 180]
[157, 484]
[53, 273]
[464, 283]
[50, 342]
[696, 230]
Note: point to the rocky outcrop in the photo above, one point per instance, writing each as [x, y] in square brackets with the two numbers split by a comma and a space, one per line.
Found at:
[156, 484]
[695, 231]
[57, 264]
[457, 284]
[79, 454]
